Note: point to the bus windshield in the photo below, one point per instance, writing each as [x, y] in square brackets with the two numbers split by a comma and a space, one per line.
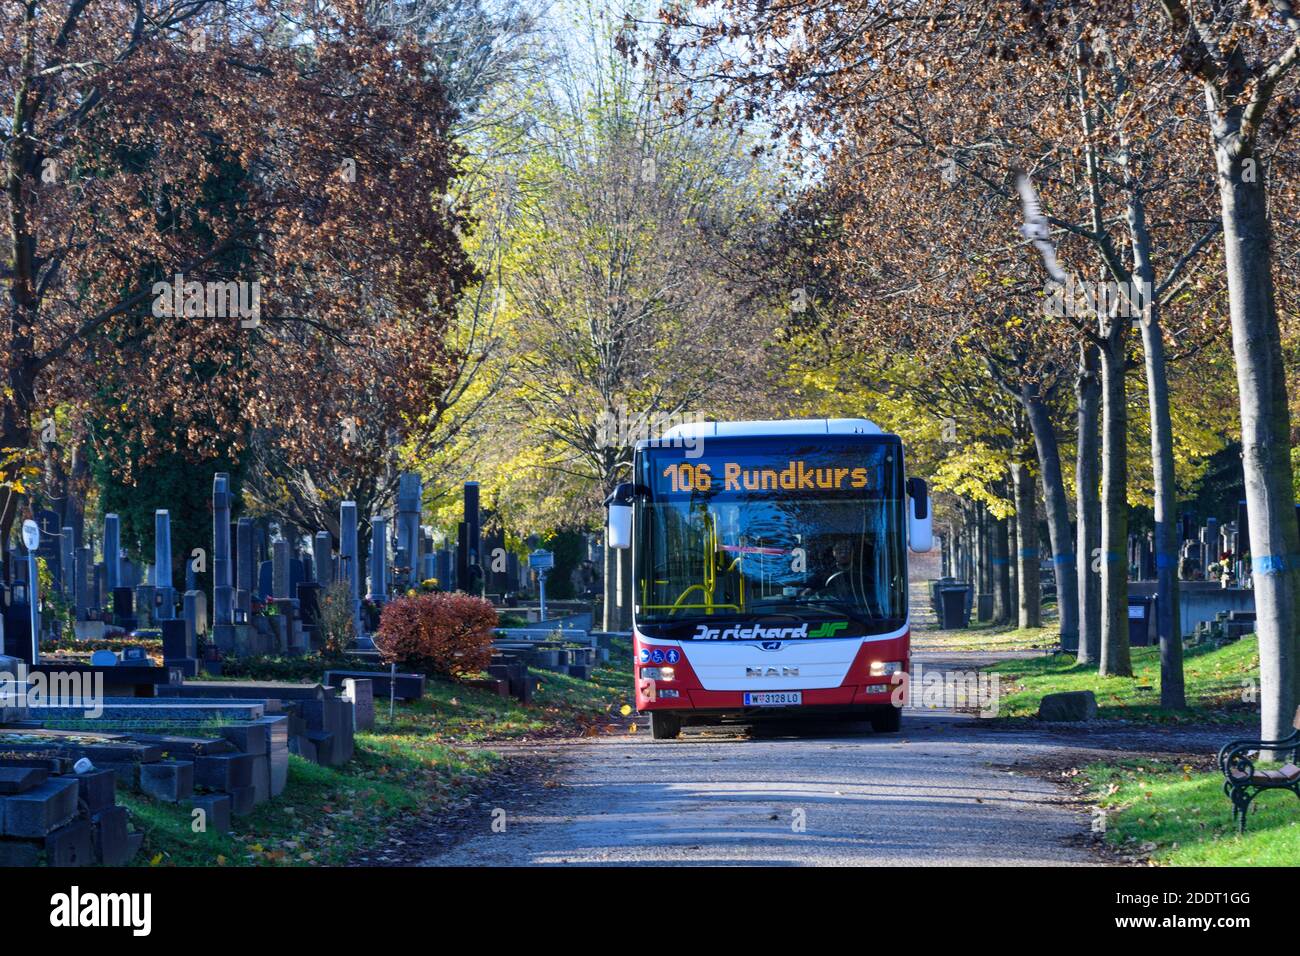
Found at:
[776, 531]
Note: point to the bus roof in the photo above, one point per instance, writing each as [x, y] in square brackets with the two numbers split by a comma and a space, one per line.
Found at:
[774, 429]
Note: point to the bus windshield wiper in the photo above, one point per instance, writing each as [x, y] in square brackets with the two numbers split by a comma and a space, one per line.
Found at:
[845, 609]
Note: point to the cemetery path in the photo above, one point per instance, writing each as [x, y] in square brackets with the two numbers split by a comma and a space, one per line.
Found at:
[949, 790]
[943, 792]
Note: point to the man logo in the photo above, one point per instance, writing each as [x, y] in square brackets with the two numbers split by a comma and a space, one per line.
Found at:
[771, 672]
[771, 645]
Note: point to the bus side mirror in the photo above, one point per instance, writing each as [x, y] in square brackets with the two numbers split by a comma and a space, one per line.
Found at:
[619, 520]
[920, 533]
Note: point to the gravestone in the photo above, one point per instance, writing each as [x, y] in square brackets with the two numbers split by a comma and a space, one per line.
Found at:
[195, 611]
[446, 579]
[162, 575]
[360, 691]
[51, 536]
[68, 562]
[84, 559]
[259, 542]
[349, 563]
[178, 641]
[129, 574]
[112, 552]
[378, 560]
[280, 569]
[124, 608]
[223, 592]
[322, 561]
[245, 567]
[144, 605]
[99, 586]
[409, 493]
[17, 634]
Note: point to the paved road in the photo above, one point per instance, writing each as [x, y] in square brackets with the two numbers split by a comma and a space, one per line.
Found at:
[939, 793]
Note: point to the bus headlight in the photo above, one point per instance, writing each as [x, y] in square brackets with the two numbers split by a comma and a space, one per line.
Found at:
[657, 673]
[881, 668]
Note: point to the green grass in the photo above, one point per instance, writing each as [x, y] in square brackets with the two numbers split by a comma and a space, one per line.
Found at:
[1215, 679]
[1178, 816]
[324, 816]
[988, 637]
[430, 755]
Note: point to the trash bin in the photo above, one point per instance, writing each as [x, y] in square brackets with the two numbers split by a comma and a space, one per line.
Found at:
[935, 588]
[955, 602]
[1141, 620]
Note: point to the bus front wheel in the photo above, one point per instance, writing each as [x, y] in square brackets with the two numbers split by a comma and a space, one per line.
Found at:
[664, 726]
[887, 720]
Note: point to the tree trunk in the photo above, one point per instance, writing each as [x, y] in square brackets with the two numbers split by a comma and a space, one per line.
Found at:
[1114, 505]
[1088, 507]
[1001, 573]
[1168, 622]
[1030, 595]
[1057, 506]
[1013, 567]
[983, 566]
[1265, 418]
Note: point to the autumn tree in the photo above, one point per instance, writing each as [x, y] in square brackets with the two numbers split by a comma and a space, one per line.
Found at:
[338, 138]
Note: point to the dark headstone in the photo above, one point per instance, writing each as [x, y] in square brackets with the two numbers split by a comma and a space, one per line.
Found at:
[123, 603]
[216, 811]
[97, 789]
[110, 837]
[308, 595]
[21, 779]
[70, 845]
[408, 686]
[168, 780]
[40, 810]
[243, 800]
[19, 853]
[18, 631]
[223, 772]
[247, 738]
[176, 640]
[1243, 530]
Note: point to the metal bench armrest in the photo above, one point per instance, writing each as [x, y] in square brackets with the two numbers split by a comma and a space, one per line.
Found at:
[1235, 748]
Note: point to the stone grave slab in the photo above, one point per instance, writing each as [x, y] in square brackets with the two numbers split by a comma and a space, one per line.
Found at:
[40, 810]
[408, 686]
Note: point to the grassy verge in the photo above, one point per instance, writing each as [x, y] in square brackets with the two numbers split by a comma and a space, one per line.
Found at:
[989, 637]
[428, 757]
[1175, 815]
[1215, 680]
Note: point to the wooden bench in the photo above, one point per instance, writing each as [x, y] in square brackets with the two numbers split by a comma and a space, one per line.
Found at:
[1242, 783]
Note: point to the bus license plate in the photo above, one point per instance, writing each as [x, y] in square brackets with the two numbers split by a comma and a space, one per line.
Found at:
[784, 698]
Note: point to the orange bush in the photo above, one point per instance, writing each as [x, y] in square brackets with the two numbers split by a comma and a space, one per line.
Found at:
[449, 634]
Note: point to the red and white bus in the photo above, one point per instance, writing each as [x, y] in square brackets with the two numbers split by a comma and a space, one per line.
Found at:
[769, 570]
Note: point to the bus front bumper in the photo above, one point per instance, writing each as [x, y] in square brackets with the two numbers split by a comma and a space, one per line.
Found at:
[666, 697]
